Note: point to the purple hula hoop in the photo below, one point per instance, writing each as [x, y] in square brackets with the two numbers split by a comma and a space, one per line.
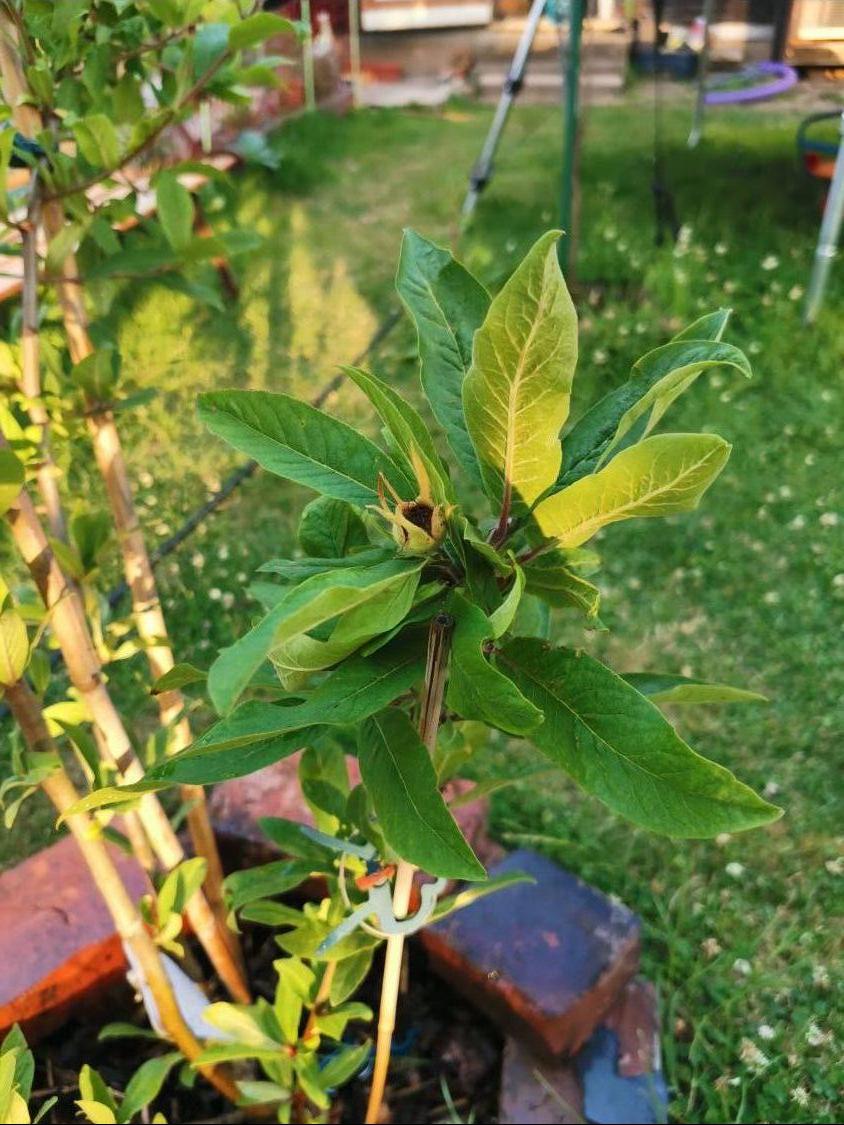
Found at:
[782, 78]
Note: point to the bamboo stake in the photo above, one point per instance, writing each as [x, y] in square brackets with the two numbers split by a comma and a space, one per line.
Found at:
[149, 618]
[128, 922]
[47, 472]
[70, 627]
[439, 644]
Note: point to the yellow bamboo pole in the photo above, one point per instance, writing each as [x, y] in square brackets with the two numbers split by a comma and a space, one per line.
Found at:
[146, 604]
[128, 922]
[70, 627]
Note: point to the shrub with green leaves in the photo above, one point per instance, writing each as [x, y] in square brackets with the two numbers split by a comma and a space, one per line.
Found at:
[476, 521]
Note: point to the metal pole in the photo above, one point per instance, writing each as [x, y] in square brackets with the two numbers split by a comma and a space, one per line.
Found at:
[827, 248]
[482, 171]
[570, 138]
[308, 57]
[354, 49]
[702, 71]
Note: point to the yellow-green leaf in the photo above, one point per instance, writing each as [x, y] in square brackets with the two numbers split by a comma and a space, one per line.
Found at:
[11, 479]
[658, 477]
[516, 395]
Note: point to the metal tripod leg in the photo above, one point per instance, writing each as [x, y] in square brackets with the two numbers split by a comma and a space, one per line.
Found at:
[482, 171]
[833, 217]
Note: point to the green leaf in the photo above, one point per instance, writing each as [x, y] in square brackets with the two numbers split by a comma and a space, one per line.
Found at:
[242, 1022]
[447, 305]
[179, 676]
[398, 774]
[256, 734]
[620, 748]
[145, 1084]
[330, 528]
[92, 1087]
[12, 476]
[629, 412]
[23, 1070]
[350, 975]
[296, 441]
[294, 988]
[122, 1030]
[175, 210]
[180, 885]
[516, 395]
[663, 688]
[97, 140]
[412, 434]
[305, 607]
[210, 43]
[296, 570]
[7, 140]
[267, 881]
[288, 836]
[502, 618]
[256, 28]
[333, 1023]
[96, 1112]
[466, 897]
[14, 645]
[710, 326]
[476, 688]
[660, 476]
[343, 1065]
[550, 579]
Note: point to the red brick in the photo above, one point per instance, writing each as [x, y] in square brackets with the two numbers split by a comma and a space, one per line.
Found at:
[58, 946]
[526, 1098]
[635, 1020]
[545, 960]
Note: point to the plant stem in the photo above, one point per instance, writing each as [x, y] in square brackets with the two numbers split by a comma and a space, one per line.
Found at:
[70, 627]
[128, 923]
[149, 619]
[321, 998]
[439, 645]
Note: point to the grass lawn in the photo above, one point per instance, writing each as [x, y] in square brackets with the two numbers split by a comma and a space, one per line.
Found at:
[740, 934]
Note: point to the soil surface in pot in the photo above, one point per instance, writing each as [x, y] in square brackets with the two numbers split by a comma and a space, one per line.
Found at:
[444, 1052]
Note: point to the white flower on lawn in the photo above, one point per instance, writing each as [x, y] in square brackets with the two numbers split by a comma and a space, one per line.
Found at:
[766, 1032]
[223, 552]
[599, 356]
[228, 600]
[197, 560]
[735, 870]
[795, 292]
[721, 249]
[146, 478]
[241, 576]
[215, 594]
[829, 519]
[722, 839]
[785, 492]
[711, 947]
[771, 788]
[816, 1036]
[820, 976]
[752, 1056]
[835, 866]
[729, 287]
[770, 262]
[742, 966]
[838, 581]
[800, 1095]
[772, 597]
[798, 523]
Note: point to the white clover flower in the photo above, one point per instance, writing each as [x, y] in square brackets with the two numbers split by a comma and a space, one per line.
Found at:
[770, 262]
[735, 870]
[838, 581]
[820, 976]
[771, 788]
[599, 356]
[835, 866]
[720, 249]
[197, 560]
[241, 576]
[772, 597]
[766, 1032]
[228, 600]
[711, 947]
[730, 287]
[742, 967]
[146, 478]
[215, 594]
[223, 552]
[752, 1056]
[816, 1036]
[510, 246]
[798, 523]
[800, 1096]
[829, 519]
[795, 293]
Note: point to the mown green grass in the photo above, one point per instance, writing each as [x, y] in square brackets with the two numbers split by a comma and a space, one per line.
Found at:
[742, 933]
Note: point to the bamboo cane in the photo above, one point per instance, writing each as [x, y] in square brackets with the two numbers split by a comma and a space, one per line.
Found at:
[128, 922]
[70, 627]
[149, 618]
